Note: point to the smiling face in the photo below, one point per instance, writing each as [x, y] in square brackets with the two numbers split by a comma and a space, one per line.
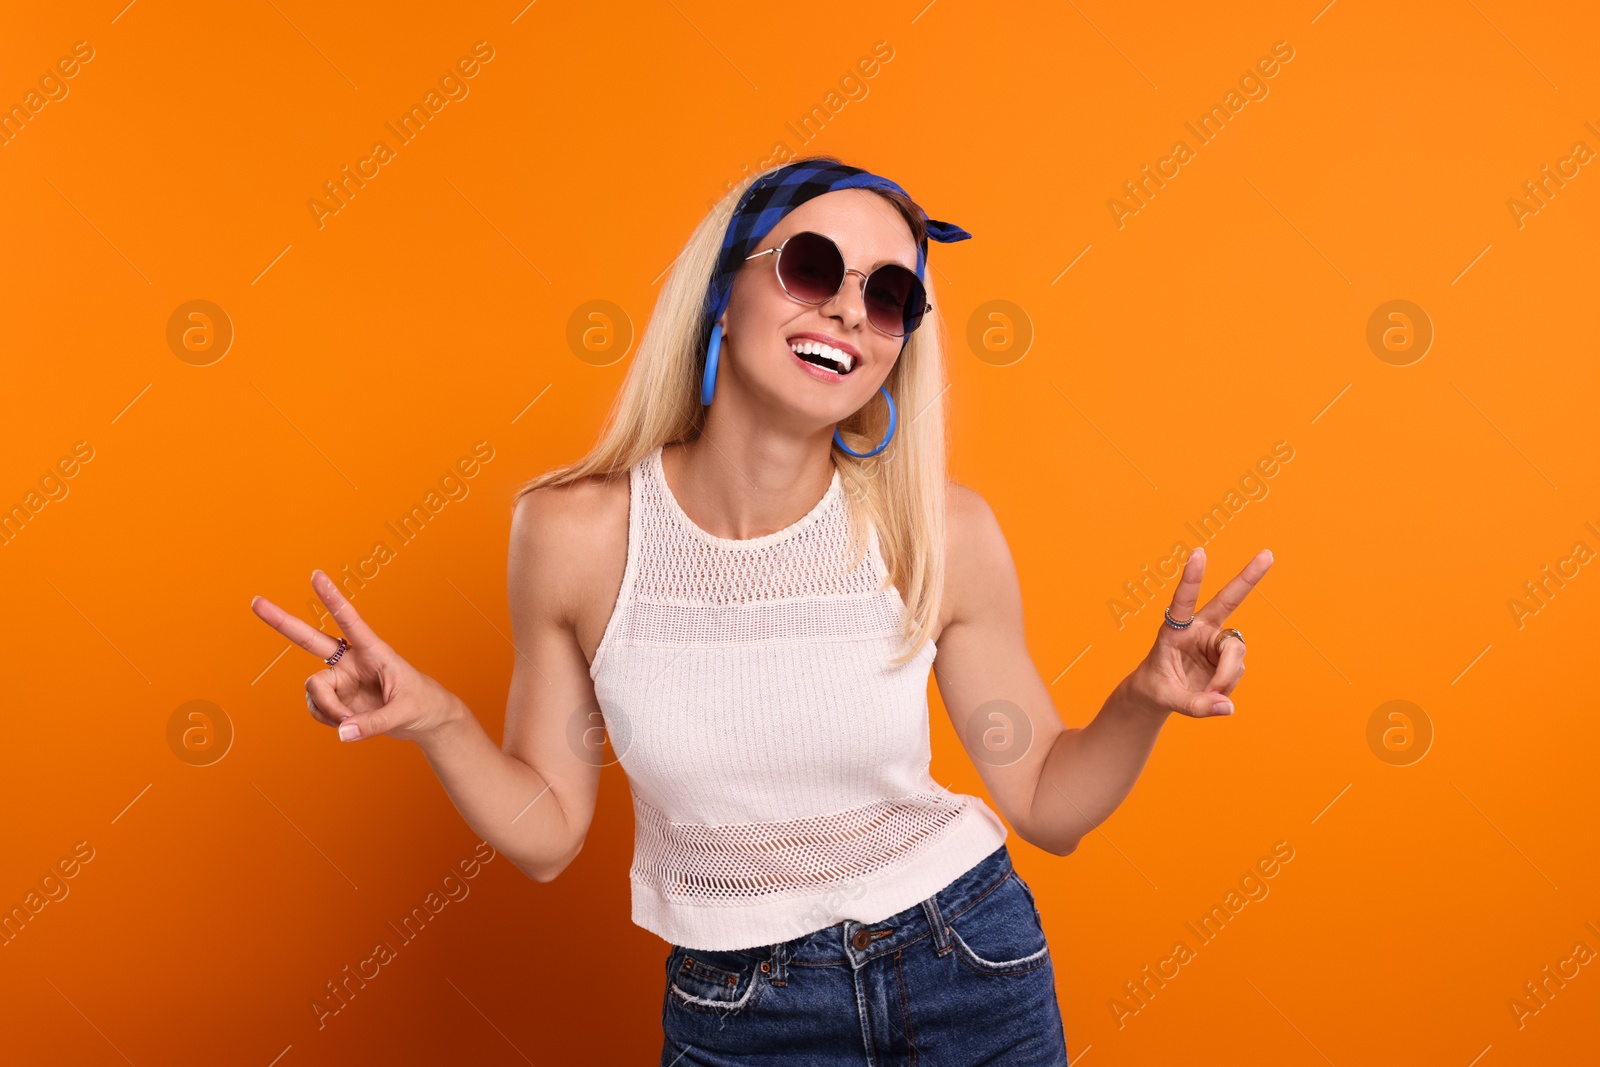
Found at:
[763, 321]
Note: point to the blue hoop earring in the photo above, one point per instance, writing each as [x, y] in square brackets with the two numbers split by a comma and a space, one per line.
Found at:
[881, 444]
[708, 383]
[708, 388]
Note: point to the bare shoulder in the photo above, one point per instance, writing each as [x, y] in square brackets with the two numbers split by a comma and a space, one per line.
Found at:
[978, 564]
[569, 547]
[972, 532]
[965, 508]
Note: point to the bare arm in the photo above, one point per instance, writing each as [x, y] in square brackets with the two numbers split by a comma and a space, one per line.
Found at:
[1054, 784]
[1090, 770]
[1190, 671]
[534, 799]
[505, 800]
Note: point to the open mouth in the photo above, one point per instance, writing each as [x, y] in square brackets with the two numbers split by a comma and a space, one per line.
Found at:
[825, 356]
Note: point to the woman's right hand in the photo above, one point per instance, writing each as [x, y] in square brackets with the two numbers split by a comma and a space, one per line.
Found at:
[370, 690]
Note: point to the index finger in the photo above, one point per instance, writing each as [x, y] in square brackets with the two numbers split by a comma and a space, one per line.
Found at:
[294, 628]
[1232, 595]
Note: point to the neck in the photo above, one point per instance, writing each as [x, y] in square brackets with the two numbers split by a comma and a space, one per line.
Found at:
[748, 487]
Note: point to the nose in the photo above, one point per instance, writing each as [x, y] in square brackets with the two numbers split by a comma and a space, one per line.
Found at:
[849, 302]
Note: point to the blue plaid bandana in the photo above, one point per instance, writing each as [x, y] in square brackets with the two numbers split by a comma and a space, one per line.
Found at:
[772, 197]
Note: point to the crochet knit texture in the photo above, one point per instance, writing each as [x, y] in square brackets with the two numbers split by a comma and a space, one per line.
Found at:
[778, 765]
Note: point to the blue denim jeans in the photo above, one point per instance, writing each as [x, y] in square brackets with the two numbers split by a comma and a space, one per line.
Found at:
[963, 978]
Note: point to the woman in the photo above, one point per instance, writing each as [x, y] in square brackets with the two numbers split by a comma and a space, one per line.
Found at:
[752, 612]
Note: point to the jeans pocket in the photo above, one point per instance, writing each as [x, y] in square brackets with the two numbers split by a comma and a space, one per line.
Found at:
[1001, 934]
[717, 982]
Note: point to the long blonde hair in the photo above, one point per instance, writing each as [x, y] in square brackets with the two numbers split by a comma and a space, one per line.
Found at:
[901, 491]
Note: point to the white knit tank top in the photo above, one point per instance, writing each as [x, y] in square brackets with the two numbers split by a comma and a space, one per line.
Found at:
[778, 765]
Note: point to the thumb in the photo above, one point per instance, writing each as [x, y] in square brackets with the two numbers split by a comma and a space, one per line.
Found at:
[1196, 705]
[358, 726]
[1207, 703]
[351, 725]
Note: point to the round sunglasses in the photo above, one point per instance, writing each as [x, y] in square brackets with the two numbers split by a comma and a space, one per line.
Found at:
[811, 269]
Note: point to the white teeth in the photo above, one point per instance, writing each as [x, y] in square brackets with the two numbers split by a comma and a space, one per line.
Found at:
[817, 348]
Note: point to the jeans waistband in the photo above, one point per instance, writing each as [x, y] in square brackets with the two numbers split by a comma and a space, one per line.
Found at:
[857, 943]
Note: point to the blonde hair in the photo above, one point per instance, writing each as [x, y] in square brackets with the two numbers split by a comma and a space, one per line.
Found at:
[901, 491]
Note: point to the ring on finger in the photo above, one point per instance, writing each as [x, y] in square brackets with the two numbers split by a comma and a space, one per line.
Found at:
[1176, 625]
[331, 660]
[1222, 635]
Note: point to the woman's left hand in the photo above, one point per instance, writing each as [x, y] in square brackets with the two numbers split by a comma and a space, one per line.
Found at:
[1188, 671]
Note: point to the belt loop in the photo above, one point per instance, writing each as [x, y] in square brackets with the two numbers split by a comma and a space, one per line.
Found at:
[776, 977]
[941, 936]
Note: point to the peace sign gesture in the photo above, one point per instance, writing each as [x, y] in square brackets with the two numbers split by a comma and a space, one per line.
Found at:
[1192, 670]
[367, 689]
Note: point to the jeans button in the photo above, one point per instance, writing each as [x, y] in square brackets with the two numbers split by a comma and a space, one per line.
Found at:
[861, 939]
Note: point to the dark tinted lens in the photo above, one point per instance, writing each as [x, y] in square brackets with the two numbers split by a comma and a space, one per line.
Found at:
[894, 299]
[811, 267]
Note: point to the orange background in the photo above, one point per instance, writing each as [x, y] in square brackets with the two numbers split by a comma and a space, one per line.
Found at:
[431, 311]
